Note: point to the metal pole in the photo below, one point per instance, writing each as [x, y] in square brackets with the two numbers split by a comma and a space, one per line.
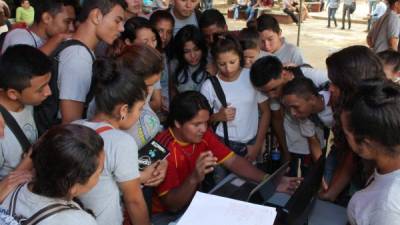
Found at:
[299, 25]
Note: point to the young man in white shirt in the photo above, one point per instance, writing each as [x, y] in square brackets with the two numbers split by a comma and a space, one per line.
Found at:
[309, 114]
[185, 13]
[24, 79]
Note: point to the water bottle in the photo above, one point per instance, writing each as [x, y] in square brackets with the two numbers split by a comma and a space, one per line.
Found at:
[275, 159]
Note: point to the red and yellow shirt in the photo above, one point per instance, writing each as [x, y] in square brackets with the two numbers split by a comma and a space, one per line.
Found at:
[182, 161]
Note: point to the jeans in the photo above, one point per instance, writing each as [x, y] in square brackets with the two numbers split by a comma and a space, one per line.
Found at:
[237, 9]
[331, 14]
[291, 14]
[251, 13]
[346, 10]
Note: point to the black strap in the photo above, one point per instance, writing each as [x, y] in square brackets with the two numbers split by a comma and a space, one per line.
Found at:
[16, 129]
[13, 200]
[221, 97]
[33, 37]
[47, 212]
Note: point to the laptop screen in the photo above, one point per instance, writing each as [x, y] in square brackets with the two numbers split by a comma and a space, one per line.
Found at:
[302, 200]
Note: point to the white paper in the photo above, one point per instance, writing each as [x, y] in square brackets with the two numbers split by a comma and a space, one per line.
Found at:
[215, 210]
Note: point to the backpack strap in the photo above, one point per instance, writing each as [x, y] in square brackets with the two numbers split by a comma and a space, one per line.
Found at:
[47, 212]
[33, 37]
[221, 97]
[13, 200]
[16, 129]
[103, 129]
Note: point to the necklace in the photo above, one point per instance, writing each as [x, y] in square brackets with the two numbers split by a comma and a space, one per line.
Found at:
[188, 154]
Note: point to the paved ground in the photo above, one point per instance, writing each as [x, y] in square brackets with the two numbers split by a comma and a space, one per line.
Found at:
[317, 41]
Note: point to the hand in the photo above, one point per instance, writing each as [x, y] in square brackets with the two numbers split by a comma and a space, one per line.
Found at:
[227, 114]
[159, 170]
[204, 165]
[252, 153]
[289, 184]
[13, 179]
[2, 125]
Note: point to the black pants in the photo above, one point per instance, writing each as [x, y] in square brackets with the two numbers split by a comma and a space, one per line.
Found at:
[291, 14]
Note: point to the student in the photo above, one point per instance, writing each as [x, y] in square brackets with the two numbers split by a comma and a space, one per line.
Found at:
[185, 13]
[164, 23]
[138, 30]
[333, 5]
[68, 161]
[53, 23]
[146, 63]
[25, 13]
[371, 125]
[246, 127]
[273, 42]
[189, 67]
[119, 98]
[100, 20]
[309, 115]
[212, 22]
[24, 79]
[391, 64]
[194, 151]
[134, 8]
[268, 75]
[347, 68]
[250, 41]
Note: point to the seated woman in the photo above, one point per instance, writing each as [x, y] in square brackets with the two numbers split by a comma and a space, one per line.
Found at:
[371, 125]
[68, 161]
[194, 152]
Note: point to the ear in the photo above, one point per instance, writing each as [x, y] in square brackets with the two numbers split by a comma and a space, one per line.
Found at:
[96, 16]
[369, 148]
[13, 94]
[123, 111]
[177, 124]
[128, 42]
[73, 191]
[47, 18]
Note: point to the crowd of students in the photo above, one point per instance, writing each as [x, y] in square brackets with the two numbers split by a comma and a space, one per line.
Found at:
[87, 94]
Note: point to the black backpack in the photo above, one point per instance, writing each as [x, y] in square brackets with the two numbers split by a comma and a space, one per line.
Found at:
[46, 114]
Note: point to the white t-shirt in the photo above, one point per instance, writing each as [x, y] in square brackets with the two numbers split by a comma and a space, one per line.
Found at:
[22, 36]
[241, 95]
[377, 204]
[29, 203]
[297, 131]
[121, 165]
[74, 73]
[10, 148]
[191, 20]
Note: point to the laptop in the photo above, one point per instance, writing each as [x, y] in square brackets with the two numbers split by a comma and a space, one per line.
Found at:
[239, 189]
[297, 209]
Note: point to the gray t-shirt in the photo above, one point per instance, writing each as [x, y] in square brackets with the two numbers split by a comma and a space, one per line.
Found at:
[22, 36]
[29, 203]
[75, 73]
[192, 20]
[121, 165]
[288, 53]
[10, 148]
[388, 26]
[190, 84]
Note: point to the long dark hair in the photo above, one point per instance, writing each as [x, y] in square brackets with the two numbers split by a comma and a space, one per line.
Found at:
[184, 35]
[346, 69]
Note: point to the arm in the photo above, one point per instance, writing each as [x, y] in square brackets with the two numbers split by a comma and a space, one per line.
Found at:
[243, 168]
[134, 202]
[254, 150]
[315, 147]
[71, 110]
[155, 102]
[18, 15]
[277, 125]
[340, 179]
[394, 43]
[181, 196]
[13, 179]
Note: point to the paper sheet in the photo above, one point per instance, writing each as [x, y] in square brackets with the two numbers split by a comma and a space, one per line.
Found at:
[215, 210]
